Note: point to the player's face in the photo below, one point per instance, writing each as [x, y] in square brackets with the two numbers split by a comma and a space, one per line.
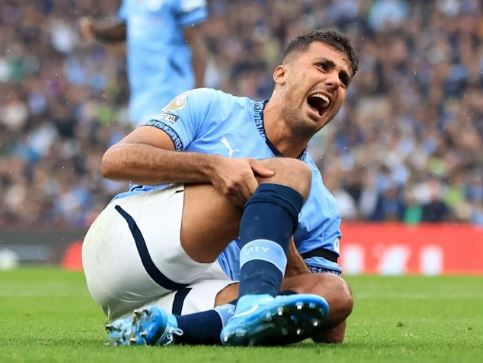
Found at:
[315, 83]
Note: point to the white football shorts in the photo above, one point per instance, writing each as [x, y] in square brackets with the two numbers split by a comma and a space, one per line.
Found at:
[132, 256]
[194, 298]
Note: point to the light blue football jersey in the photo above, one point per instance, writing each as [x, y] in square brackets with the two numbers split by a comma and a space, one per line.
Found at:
[158, 58]
[213, 122]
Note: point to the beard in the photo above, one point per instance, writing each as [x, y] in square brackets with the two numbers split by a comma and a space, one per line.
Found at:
[301, 127]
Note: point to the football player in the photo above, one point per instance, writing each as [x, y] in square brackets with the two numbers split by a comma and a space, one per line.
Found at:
[214, 168]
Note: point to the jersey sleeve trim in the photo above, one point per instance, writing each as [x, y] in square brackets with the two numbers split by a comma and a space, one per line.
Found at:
[178, 144]
[320, 265]
[322, 252]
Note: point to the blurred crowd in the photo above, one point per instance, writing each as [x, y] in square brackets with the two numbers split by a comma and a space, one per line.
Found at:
[407, 146]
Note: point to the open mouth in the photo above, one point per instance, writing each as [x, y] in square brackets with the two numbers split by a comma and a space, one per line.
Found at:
[319, 102]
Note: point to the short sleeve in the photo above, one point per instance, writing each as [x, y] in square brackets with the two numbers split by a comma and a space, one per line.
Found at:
[191, 12]
[183, 119]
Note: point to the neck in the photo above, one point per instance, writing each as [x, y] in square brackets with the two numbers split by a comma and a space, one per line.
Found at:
[279, 131]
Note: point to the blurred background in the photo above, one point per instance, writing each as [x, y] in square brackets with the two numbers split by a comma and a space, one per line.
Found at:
[404, 152]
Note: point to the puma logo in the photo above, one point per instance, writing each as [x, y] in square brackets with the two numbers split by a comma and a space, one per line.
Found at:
[226, 143]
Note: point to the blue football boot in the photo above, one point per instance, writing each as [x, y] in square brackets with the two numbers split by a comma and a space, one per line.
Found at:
[265, 320]
[149, 325]
[153, 326]
[119, 331]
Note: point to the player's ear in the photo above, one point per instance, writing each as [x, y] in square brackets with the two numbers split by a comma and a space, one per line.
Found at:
[279, 74]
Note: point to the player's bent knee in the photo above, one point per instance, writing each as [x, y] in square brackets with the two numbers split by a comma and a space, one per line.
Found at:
[345, 301]
[337, 293]
[339, 297]
[292, 173]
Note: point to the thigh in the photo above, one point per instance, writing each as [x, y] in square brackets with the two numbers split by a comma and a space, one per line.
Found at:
[115, 276]
[132, 253]
[210, 221]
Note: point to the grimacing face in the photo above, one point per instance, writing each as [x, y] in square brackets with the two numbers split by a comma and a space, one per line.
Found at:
[314, 84]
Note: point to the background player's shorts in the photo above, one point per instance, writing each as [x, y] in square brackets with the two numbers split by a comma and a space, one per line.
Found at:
[132, 254]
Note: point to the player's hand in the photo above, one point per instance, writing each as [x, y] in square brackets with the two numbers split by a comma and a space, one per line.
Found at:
[86, 28]
[237, 178]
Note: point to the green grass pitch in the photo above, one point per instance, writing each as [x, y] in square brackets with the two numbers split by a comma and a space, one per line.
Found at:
[46, 315]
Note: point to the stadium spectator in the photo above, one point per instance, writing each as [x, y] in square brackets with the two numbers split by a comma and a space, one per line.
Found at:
[414, 111]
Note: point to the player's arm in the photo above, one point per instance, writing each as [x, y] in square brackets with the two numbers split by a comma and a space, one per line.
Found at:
[147, 156]
[109, 31]
[295, 263]
[194, 36]
[318, 260]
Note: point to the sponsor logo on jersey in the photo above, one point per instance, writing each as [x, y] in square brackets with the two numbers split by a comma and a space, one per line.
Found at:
[169, 117]
[176, 103]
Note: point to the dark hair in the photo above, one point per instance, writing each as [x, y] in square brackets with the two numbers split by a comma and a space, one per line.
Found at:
[332, 38]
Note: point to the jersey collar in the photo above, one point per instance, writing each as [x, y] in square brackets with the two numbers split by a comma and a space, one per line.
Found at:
[259, 123]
